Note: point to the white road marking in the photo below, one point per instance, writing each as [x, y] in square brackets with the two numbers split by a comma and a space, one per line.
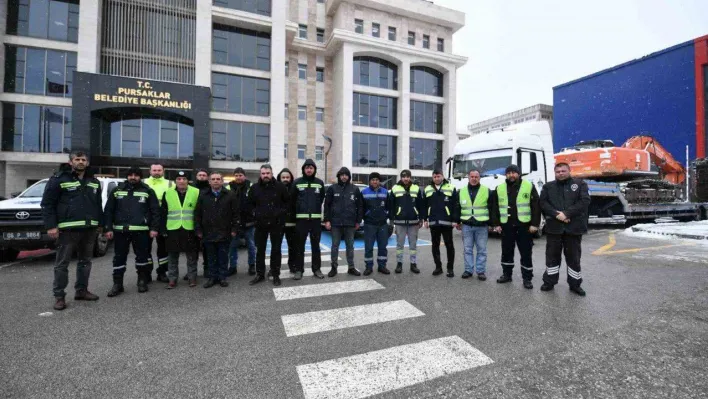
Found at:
[285, 273]
[313, 290]
[354, 316]
[389, 369]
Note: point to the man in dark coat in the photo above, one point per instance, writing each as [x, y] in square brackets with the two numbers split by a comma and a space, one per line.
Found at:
[216, 223]
[178, 207]
[343, 211]
[308, 194]
[241, 186]
[564, 203]
[286, 177]
[269, 201]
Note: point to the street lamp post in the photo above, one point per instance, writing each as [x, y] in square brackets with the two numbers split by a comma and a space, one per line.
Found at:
[329, 140]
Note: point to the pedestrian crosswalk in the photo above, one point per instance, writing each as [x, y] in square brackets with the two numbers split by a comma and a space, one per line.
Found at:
[312, 290]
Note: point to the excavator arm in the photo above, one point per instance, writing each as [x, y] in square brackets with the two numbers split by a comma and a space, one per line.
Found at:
[671, 170]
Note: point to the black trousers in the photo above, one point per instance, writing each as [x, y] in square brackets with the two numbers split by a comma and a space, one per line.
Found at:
[570, 246]
[293, 247]
[313, 227]
[446, 233]
[512, 237]
[162, 258]
[275, 231]
[121, 243]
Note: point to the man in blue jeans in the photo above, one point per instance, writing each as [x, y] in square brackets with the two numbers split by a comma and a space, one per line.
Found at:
[375, 225]
[476, 213]
[240, 186]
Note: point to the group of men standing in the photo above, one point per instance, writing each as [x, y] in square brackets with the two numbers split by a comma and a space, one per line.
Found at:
[211, 217]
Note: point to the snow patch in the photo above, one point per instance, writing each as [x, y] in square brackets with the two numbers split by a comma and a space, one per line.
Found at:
[697, 231]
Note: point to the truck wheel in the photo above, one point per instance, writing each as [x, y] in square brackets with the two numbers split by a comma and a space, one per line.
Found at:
[8, 254]
[101, 246]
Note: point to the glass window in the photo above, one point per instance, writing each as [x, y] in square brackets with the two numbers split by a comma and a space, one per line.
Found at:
[371, 150]
[285, 151]
[240, 47]
[425, 117]
[302, 112]
[286, 111]
[319, 114]
[240, 94]
[441, 44]
[287, 68]
[426, 41]
[320, 35]
[358, 26]
[319, 153]
[240, 141]
[425, 154]
[147, 136]
[261, 7]
[39, 71]
[375, 72]
[427, 81]
[302, 71]
[35, 128]
[302, 31]
[320, 74]
[411, 38]
[45, 19]
[391, 33]
[374, 111]
[301, 149]
[375, 30]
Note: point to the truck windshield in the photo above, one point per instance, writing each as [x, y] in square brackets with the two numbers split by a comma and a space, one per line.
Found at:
[35, 191]
[486, 166]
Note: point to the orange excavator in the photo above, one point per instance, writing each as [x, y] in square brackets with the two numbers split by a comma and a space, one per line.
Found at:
[640, 157]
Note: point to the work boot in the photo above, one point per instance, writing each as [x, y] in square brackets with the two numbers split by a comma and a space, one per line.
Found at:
[368, 271]
[162, 277]
[437, 271]
[384, 270]
[60, 303]
[332, 271]
[450, 272]
[117, 287]
[223, 283]
[317, 273]
[466, 274]
[298, 275]
[547, 287]
[85, 295]
[505, 278]
[210, 283]
[528, 284]
[251, 270]
[399, 267]
[259, 278]
[482, 277]
[353, 271]
[142, 283]
[578, 290]
[414, 268]
[276, 281]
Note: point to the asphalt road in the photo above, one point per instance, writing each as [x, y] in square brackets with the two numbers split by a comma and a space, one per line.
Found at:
[641, 332]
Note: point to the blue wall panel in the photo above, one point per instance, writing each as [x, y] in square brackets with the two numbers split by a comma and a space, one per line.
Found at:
[655, 95]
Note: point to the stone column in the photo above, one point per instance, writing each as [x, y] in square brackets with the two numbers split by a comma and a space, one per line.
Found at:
[89, 57]
[277, 89]
[449, 113]
[404, 107]
[202, 56]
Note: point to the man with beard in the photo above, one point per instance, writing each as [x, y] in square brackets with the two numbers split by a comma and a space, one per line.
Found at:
[343, 211]
[442, 202]
[520, 216]
[132, 216]
[159, 184]
[308, 195]
[240, 187]
[72, 212]
[286, 177]
[269, 201]
[408, 212]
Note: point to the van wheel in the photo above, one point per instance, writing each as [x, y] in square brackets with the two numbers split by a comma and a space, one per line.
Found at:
[101, 246]
[8, 254]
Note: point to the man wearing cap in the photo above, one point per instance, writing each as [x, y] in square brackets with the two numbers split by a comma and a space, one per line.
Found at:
[308, 194]
[178, 206]
[159, 184]
[519, 216]
[375, 202]
[407, 208]
[286, 177]
[442, 203]
[477, 213]
[132, 216]
[240, 187]
[216, 223]
[343, 211]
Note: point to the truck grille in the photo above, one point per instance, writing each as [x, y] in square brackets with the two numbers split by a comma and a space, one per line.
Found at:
[10, 215]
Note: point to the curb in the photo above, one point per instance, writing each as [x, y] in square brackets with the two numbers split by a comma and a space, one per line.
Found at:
[684, 236]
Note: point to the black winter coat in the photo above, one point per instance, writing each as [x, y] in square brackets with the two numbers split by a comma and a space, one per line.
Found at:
[132, 205]
[290, 213]
[343, 205]
[72, 203]
[570, 197]
[309, 192]
[269, 202]
[241, 192]
[216, 217]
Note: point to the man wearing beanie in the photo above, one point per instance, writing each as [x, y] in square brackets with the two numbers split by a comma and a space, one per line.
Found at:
[240, 186]
[519, 216]
[306, 201]
[343, 212]
[375, 201]
[442, 202]
[286, 177]
[407, 208]
[132, 216]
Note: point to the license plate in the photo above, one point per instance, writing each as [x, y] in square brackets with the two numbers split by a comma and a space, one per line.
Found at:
[23, 235]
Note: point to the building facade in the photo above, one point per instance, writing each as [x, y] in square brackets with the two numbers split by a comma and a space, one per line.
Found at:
[220, 84]
[538, 112]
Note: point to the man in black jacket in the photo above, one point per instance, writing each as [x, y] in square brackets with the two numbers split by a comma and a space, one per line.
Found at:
[286, 177]
[343, 211]
[132, 215]
[216, 222]
[564, 203]
[442, 201]
[519, 216]
[269, 201]
[308, 194]
[375, 206]
[72, 210]
[240, 187]
[202, 184]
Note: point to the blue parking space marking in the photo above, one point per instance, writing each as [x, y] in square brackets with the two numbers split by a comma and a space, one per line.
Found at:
[326, 243]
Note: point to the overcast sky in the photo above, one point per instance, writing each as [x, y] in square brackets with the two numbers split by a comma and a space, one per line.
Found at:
[519, 49]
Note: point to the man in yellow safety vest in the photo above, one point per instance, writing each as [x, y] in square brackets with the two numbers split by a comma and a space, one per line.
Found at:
[477, 213]
[178, 204]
